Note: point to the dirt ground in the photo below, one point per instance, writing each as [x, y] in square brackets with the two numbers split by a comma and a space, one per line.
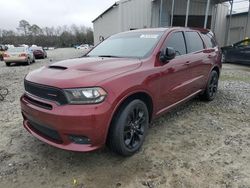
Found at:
[197, 145]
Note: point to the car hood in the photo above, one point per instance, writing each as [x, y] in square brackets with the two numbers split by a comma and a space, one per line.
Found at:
[82, 72]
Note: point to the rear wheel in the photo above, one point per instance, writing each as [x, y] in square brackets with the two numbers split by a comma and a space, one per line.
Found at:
[7, 64]
[129, 127]
[212, 87]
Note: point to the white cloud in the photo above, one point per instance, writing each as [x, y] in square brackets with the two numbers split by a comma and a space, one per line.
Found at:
[51, 12]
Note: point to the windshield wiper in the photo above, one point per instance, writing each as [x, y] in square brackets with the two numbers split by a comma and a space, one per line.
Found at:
[112, 56]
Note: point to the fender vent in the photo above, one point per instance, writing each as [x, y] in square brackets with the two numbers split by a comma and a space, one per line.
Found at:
[57, 67]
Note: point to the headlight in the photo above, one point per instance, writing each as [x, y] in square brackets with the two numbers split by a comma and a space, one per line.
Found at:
[85, 95]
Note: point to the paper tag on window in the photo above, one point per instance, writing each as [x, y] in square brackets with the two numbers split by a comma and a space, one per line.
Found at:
[148, 36]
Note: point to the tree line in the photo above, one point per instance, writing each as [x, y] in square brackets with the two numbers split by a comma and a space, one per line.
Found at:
[61, 36]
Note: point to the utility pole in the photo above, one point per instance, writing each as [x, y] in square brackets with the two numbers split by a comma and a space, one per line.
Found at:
[229, 23]
[187, 13]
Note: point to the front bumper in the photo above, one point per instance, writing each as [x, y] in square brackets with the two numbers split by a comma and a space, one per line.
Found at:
[90, 121]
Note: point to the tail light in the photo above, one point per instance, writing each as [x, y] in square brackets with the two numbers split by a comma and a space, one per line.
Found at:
[6, 55]
[23, 55]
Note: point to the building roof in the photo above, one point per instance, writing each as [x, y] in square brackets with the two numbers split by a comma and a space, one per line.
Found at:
[239, 14]
[111, 7]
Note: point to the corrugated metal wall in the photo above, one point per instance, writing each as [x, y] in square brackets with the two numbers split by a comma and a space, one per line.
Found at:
[106, 25]
[219, 25]
[135, 14]
[237, 29]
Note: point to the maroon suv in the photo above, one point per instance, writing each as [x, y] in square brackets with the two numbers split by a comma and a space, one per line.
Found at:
[112, 94]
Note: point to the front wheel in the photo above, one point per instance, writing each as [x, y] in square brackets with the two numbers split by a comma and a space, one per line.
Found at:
[28, 61]
[129, 127]
[223, 58]
[212, 87]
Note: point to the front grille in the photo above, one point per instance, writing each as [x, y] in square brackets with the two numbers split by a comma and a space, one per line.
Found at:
[38, 103]
[45, 132]
[46, 92]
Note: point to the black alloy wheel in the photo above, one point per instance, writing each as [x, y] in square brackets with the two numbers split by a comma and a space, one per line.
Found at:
[129, 127]
[135, 127]
[212, 87]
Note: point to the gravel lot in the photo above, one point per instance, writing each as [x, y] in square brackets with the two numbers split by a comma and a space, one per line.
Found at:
[197, 145]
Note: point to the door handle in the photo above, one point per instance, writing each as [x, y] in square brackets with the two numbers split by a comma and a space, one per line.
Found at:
[188, 63]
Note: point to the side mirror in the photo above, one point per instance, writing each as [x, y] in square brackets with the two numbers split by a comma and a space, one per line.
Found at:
[169, 54]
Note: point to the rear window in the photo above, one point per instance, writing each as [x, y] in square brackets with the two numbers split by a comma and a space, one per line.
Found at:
[209, 40]
[36, 48]
[18, 49]
[194, 42]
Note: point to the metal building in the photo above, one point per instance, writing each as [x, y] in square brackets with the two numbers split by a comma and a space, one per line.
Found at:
[127, 15]
[240, 27]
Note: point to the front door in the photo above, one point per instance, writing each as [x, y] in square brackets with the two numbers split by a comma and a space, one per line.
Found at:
[174, 73]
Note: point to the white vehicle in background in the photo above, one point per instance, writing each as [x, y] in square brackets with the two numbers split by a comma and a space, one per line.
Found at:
[18, 55]
[51, 48]
[10, 46]
[24, 45]
[83, 47]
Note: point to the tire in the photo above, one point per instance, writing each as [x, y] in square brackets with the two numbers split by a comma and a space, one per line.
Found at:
[211, 88]
[128, 128]
[34, 60]
[28, 62]
[7, 64]
[223, 58]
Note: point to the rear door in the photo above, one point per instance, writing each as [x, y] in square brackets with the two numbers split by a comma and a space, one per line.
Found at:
[198, 61]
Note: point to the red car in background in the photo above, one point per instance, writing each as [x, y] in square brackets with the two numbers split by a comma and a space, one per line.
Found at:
[39, 52]
[112, 94]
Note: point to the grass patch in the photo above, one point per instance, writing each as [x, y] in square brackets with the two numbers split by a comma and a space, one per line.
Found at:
[235, 78]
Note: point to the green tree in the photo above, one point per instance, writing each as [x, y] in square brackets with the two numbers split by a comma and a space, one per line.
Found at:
[24, 27]
[35, 30]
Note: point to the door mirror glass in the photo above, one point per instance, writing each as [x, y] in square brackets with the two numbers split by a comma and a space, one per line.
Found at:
[167, 55]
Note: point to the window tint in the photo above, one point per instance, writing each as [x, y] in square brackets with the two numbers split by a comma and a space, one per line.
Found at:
[210, 42]
[176, 41]
[194, 42]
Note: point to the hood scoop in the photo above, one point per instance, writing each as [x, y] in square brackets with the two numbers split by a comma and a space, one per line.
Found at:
[57, 67]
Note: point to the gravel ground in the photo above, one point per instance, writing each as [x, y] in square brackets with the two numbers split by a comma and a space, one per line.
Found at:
[196, 145]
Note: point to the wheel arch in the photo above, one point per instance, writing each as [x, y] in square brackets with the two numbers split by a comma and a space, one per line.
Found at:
[142, 95]
[217, 69]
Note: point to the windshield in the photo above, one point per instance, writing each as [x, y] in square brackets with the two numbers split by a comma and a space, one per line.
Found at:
[131, 45]
[19, 49]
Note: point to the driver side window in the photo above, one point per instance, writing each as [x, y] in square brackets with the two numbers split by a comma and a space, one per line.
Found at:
[176, 40]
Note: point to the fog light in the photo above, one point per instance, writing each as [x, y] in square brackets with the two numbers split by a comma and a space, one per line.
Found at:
[79, 139]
